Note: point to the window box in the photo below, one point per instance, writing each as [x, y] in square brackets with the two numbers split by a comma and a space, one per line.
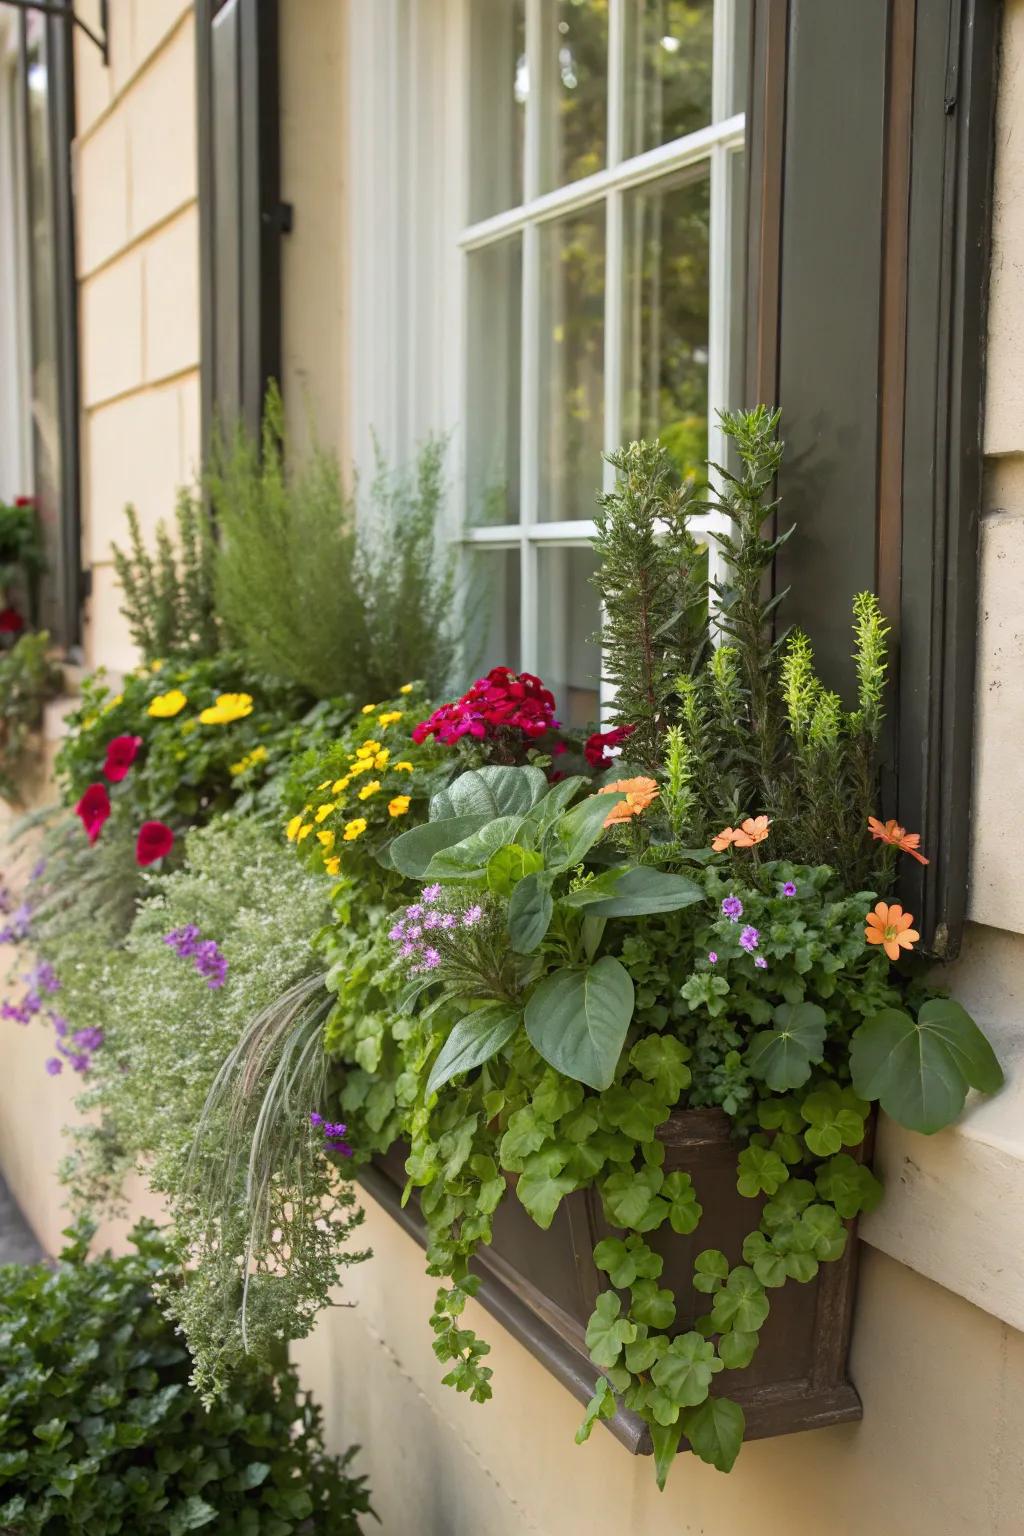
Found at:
[542, 1286]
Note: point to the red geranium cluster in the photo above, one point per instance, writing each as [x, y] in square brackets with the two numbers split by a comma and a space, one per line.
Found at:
[596, 749]
[155, 838]
[502, 701]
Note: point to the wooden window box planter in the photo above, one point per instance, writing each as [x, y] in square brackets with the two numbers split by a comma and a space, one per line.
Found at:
[542, 1286]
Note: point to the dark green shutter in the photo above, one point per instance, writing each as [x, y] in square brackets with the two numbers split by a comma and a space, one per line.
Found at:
[239, 204]
[871, 132]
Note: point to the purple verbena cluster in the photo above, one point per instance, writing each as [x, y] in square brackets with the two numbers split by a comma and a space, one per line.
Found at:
[417, 929]
[732, 908]
[77, 1047]
[334, 1132]
[205, 954]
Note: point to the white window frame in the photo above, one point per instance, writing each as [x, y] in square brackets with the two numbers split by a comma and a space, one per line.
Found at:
[712, 145]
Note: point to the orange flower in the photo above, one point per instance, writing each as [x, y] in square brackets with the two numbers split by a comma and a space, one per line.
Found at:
[639, 794]
[890, 927]
[723, 840]
[753, 830]
[897, 837]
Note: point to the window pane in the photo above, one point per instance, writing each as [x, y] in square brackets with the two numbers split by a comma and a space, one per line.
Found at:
[667, 71]
[568, 656]
[573, 54]
[665, 315]
[498, 91]
[495, 296]
[491, 636]
[740, 62]
[571, 376]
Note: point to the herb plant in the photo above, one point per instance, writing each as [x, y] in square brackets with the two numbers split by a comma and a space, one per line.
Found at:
[101, 1434]
[168, 596]
[28, 678]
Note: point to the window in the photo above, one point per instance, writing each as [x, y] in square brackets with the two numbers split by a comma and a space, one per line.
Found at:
[603, 286]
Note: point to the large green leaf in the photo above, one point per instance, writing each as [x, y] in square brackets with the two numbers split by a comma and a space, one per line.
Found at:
[715, 1431]
[413, 851]
[529, 913]
[641, 890]
[475, 1039]
[492, 791]
[920, 1069]
[573, 835]
[577, 1020]
[685, 1370]
[547, 810]
[782, 1057]
[469, 858]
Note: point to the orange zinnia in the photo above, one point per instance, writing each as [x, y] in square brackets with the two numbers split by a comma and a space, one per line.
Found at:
[723, 840]
[890, 927]
[897, 837]
[638, 792]
[753, 830]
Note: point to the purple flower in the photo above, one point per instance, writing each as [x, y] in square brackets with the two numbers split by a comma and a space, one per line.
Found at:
[339, 1146]
[414, 911]
[210, 963]
[761, 962]
[315, 1119]
[60, 1024]
[449, 920]
[397, 933]
[750, 938]
[471, 917]
[335, 1128]
[407, 949]
[431, 892]
[16, 1012]
[89, 1039]
[183, 940]
[414, 932]
[732, 908]
[789, 889]
[54, 1066]
[712, 957]
[44, 978]
[431, 959]
[432, 920]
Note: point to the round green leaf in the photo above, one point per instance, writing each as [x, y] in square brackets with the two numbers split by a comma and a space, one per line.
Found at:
[782, 1057]
[920, 1069]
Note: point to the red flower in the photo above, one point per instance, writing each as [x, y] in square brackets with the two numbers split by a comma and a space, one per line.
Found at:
[11, 622]
[594, 751]
[24, 501]
[155, 839]
[503, 700]
[94, 808]
[121, 753]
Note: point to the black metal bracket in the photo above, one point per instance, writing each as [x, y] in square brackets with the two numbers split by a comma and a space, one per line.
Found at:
[65, 9]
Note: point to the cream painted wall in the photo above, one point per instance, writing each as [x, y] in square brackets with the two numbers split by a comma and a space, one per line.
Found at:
[138, 260]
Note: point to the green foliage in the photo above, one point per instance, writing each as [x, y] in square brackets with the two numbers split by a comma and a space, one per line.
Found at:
[921, 1068]
[651, 581]
[28, 678]
[22, 552]
[168, 595]
[337, 597]
[251, 1240]
[100, 1432]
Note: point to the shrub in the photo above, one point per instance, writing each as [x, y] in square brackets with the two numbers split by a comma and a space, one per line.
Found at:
[27, 679]
[168, 596]
[100, 1432]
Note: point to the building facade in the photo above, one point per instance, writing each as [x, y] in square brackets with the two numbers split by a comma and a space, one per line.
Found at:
[544, 227]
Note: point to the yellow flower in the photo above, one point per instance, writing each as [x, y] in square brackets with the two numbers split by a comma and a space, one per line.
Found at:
[291, 831]
[229, 707]
[89, 722]
[364, 765]
[390, 717]
[113, 703]
[257, 755]
[325, 810]
[368, 709]
[327, 838]
[339, 786]
[382, 759]
[354, 829]
[403, 767]
[369, 789]
[368, 748]
[333, 866]
[324, 785]
[166, 705]
[398, 806]
[305, 831]
[155, 666]
[406, 688]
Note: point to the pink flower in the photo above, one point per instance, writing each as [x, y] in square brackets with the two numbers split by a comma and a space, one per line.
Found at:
[503, 700]
[155, 839]
[93, 810]
[121, 753]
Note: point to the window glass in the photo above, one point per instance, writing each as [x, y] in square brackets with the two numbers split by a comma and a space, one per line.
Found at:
[499, 85]
[569, 617]
[492, 585]
[571, 363]
[573, 55]
[665, 315]
[667, 86]
[495, 299]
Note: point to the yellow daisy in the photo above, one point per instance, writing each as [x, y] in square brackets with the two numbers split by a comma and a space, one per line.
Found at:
[369, 789]
[291, 831]
[305, 831]
[390, 717]
[368, 709]
[354, 829]
[339, 786]
[406, 688]
[325, 810]
[166, 705]
[403, 767]
[398, 806]
[228, 708]
[327, 839]
[333, 866]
